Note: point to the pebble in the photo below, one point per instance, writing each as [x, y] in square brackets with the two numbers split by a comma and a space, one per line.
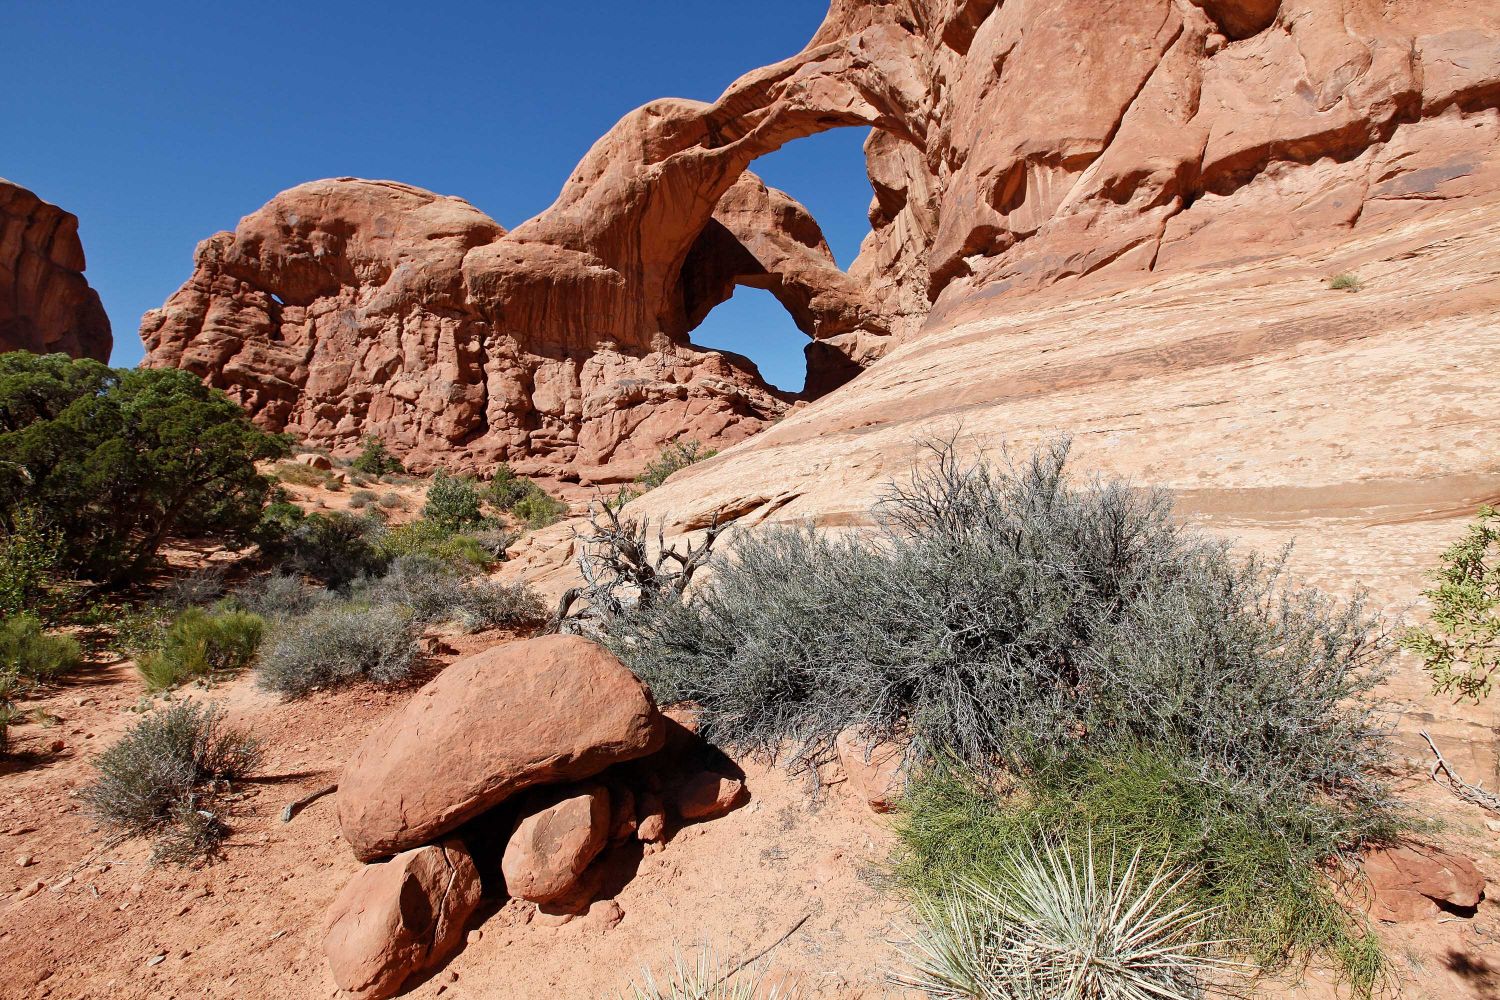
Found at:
[25, 861]
[157, 959]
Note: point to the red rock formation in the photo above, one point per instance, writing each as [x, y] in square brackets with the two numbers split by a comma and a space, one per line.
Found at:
[46, 305]
[1017, 145]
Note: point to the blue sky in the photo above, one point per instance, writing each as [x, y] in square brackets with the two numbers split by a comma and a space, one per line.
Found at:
[161, 123]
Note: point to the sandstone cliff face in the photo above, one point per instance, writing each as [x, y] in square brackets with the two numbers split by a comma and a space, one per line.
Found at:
[46, 305]
[1017, 146]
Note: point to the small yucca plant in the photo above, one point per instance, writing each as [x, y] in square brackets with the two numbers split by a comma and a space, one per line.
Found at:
[705, 978]
[1055, 926]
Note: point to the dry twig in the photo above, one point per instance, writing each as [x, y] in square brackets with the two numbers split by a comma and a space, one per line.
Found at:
[1475, 794]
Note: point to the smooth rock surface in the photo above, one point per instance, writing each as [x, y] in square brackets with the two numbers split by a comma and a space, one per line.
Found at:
[1414, 881]
[542, 711]
[559, 833]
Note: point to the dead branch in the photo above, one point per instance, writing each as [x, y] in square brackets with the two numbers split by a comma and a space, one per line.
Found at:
[1474, 794]
[294, 807]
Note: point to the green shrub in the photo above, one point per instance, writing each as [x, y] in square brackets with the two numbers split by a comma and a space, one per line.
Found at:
[29, 653]
[1260, 875]
[338, 547]
[277, 595]
[539, 510]
[360, 499]
[1345, 283]
[674, 457]
[705, 977]
[1050, 920]
[298, 474]
[10, 686]
[337, 643]
[430, 539]
[199, 644]
[392, 501]
[427, 590]
[165, 777]
[376, 460]
[453, 503]
[123, 459]
[31, 554]
[278, 521]
[1461, 646]
[523, 499]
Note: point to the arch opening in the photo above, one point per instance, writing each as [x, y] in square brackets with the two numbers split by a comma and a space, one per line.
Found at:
[806, 336]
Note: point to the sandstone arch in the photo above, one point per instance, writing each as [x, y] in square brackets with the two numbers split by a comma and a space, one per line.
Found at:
[1017, 145]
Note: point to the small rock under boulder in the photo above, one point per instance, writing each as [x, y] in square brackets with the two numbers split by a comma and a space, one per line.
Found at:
[400, 917]
[545, 711]
[560, 832]
[708, 795]
[1414, 882]
[875, 772]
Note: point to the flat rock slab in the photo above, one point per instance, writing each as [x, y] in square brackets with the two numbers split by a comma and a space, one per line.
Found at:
[543, 711]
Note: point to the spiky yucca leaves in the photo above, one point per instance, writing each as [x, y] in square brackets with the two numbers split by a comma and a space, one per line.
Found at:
[1052, 925]
[704, 978]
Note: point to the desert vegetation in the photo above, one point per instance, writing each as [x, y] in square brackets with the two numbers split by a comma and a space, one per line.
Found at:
[1064, 664]
[166, 779]
[1460, 647]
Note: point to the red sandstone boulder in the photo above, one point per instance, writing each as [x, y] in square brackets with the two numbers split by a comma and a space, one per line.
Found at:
[46, 305]
[875, 772]
[400, 917]
[544, 711]
[708, 795]
[1410, 882]
[559, 833]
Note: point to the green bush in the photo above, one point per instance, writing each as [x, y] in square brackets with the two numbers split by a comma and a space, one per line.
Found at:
[523, 499]
[165, 777]
[376, 460]
[428, 590]
[123, 459]
[1053, 920]
[30, 654]
[430, 539]
[539, 510]
[199, 644]
[674, 457]
[1345, 283]
[298, 474]
[337, 547]
[31, 554]
[9, 686]
[277, 595]
[360, 499]
[392, 501]
[453, 503]
[337, 643]
[1461, 646]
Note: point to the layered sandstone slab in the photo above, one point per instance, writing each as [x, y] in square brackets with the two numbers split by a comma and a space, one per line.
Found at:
[46, 304]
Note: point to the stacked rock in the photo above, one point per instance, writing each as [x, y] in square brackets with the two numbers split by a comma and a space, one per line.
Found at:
[514, 772]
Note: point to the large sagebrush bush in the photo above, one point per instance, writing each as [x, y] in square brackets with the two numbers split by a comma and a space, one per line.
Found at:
[1008, 621]
[430, 590]
[337, 547]
[163, 780]
[335, 643]
[1002, 608]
